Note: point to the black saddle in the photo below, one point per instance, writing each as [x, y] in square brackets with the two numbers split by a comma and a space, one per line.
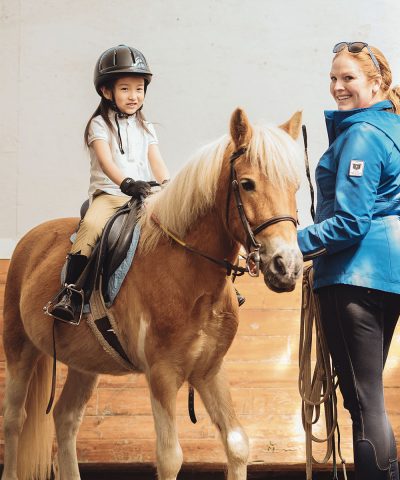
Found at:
[111, 249]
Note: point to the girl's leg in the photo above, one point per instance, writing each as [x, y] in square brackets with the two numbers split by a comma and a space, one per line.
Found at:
[91, 226]
[354, 321]
[69, 306]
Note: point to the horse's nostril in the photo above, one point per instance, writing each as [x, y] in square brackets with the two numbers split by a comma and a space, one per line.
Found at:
[279, 265]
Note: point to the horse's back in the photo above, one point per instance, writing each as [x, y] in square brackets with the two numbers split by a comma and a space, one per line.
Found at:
[44, 240]
[41, 248]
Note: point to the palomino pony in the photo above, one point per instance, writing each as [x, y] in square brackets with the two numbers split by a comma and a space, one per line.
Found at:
[176, 312]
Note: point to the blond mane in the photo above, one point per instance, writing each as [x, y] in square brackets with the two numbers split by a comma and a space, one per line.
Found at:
[192, 192]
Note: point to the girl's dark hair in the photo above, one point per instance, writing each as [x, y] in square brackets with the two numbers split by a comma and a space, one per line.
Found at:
[104, 108]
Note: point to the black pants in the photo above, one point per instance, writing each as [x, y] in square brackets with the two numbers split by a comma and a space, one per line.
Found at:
[359, 325]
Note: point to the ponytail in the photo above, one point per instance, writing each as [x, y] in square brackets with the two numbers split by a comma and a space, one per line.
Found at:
[369, 68]
[393, 95]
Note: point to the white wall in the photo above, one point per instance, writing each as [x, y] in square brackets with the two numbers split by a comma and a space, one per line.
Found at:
[270, 57]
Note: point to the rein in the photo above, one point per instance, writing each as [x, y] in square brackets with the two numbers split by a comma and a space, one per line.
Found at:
[230, 267]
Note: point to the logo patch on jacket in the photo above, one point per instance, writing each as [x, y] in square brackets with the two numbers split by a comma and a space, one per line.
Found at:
[356, 168]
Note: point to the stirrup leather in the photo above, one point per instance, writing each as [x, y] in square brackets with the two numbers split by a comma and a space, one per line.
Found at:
[66, 290]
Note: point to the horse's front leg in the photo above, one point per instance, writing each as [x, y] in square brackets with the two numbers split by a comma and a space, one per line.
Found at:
[68, 414]
[164, 386]
[214, 391]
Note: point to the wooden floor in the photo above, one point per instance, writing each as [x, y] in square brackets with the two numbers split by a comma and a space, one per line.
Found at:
[263, 369]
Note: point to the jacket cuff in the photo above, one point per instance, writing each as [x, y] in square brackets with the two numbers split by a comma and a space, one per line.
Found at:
[310, 243]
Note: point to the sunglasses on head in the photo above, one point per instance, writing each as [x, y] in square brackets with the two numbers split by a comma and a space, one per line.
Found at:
[356, 47]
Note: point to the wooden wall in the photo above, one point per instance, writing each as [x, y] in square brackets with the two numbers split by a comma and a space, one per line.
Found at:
[263, 371]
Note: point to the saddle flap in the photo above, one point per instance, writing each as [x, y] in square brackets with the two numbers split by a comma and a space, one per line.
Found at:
[112, 248]
[120, 239]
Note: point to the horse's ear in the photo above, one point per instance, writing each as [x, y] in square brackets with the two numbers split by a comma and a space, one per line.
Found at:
[240, 128]
[293, 125]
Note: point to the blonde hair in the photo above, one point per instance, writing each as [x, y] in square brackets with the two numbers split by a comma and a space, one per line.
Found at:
[368, 67]
[193, 190]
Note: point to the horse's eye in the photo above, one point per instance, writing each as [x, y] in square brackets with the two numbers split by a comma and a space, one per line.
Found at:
[248, 184]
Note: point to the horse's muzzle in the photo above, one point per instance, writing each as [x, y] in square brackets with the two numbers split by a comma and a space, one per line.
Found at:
[282, 270]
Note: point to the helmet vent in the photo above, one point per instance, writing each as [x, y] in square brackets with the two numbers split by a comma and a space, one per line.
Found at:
[133, 57]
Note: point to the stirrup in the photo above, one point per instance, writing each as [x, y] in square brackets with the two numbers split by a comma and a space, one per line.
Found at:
[66, 290]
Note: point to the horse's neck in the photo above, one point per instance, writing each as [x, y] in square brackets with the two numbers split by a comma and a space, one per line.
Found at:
[209, 235]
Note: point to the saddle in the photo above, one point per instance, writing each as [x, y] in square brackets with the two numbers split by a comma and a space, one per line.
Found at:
[111, 249]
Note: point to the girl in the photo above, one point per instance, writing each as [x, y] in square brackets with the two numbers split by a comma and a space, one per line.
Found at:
[124, 156]
[356, 239]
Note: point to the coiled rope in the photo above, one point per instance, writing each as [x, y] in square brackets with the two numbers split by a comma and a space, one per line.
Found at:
[317, 385]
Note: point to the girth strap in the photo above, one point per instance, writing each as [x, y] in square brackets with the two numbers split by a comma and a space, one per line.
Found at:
[105, 329]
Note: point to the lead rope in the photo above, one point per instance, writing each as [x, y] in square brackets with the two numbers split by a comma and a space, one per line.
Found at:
[321, 388]
[317, 388]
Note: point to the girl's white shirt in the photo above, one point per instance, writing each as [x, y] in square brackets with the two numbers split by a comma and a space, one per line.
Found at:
[133, 163]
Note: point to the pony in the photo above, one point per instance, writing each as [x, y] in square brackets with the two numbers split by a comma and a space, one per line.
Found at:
[176, 312]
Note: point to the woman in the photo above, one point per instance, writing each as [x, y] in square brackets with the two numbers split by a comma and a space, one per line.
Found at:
[355, 244]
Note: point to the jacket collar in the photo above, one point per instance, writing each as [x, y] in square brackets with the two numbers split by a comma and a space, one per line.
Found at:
[335, 119]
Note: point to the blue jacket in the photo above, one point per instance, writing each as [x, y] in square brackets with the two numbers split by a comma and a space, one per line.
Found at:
[356, 235]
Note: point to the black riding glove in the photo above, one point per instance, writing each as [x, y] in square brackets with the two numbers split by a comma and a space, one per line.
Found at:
[136, 189]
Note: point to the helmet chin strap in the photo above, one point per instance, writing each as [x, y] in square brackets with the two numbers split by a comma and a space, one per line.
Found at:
[119, 114]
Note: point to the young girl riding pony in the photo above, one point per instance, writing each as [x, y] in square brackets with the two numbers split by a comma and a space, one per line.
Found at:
[124, 157]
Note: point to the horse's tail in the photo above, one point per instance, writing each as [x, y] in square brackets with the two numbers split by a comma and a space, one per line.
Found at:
[28, 381]
[36, 439]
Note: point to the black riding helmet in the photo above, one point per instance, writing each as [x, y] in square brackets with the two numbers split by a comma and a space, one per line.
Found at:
[120, 60]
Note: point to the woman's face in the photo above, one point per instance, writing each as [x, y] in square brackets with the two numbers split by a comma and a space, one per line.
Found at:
[350, 87]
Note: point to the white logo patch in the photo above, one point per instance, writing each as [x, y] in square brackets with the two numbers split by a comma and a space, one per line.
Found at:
[356, 168]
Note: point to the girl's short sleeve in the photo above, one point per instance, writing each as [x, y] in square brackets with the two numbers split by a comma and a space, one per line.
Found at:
[98, 130]
[152, 136]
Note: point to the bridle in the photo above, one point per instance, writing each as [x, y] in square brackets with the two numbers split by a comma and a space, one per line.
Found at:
[252, 246]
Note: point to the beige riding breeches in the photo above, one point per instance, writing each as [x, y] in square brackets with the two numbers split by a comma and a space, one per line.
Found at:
[101, 209]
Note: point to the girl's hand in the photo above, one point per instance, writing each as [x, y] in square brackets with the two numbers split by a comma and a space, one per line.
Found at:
[137, 190]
